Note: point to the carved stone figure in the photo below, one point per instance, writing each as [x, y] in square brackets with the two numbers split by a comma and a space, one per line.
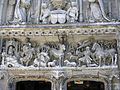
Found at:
[10, 10]
[11, 59]
[45, 13]
[42, 60]
[97, 12]
[9, 55]
[72, 13]
[86, 59]
[27, 54]
[22, 11]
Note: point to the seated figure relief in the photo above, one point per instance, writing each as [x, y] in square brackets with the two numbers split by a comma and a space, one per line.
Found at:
[45, 13]
[9, 56]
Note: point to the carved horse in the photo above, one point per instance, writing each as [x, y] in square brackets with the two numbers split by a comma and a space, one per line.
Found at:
[112, 54]
[58, 53]
[100, 53]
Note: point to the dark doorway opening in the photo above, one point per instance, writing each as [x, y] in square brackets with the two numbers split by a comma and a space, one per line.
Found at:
[85, 85]
[33, 85]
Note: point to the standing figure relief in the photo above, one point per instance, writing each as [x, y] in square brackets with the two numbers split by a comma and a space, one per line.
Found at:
[46, 12]
[22, 11]
[96, 11]
[72, 13]
[10, 10]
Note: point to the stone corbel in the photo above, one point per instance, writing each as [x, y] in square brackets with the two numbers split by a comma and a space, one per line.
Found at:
[58, 74]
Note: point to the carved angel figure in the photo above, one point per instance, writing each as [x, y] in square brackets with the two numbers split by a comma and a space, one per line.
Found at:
[97, 12]
[22, 11]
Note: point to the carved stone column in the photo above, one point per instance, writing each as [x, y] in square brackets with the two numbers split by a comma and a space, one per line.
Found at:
[110, 84]
[80, 10]
[1, 10]
[36, 10]
[110, 9]
[59, 76]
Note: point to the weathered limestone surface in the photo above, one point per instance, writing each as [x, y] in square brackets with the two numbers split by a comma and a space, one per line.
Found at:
[59, 41]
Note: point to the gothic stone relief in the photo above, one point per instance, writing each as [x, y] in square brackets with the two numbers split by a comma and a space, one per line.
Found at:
[22, 11]
[87, 53]
[97, 11]
[58, 11]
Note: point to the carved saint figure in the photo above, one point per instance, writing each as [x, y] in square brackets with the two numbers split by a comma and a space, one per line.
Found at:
[45, 13]
[97, 11]
[10, 10]
[72, 13]
[27, 54]
[11, 58]
[9, 55]
[22, 11]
